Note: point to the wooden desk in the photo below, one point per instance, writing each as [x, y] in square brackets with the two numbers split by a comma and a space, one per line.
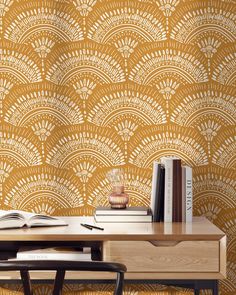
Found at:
[194, 252]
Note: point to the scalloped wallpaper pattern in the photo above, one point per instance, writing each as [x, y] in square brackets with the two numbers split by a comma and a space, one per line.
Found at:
[86, 85]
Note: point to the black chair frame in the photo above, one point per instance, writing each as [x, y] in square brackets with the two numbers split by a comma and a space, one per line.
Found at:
[61, 267]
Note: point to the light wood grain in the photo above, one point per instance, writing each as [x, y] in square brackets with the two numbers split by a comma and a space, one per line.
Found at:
[178, 250]
[143, 256]
[223, 257]
[200, 229]
[46, 275]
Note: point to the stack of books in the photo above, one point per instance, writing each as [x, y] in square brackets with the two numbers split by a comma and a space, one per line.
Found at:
[56, 253]
[171, 198]
[129, 214]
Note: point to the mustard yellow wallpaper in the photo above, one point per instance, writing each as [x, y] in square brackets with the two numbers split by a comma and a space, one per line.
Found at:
[86, 85]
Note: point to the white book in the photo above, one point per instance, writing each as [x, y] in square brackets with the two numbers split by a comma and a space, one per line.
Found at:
[18, 219]
[168, 195]
[189, 194]
[183, 193]
[127, 211]
[56, 253]
[123, 218]
[154, 186]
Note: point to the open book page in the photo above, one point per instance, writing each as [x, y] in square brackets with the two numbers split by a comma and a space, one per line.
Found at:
[11, 219]
[44, 220]
[18, 218]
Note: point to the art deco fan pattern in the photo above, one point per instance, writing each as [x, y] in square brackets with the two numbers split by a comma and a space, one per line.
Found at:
[88, 85]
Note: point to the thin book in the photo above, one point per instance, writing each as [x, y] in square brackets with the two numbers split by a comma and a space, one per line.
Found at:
[177, 191]
[168, 189]
[123, 218]
[56, 253]
[155, 186]
[126, 211]
[189, 194]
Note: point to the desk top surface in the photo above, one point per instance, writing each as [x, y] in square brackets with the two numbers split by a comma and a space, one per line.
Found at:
[199, 229]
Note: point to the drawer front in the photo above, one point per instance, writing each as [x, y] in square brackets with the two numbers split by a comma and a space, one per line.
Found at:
[145, 256]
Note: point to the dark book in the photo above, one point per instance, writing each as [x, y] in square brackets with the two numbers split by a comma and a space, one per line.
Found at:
[177, 191]
[160, 196]
[168, 189]
[155, 188]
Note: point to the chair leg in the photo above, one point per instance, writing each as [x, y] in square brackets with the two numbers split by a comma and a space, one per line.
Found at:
[215, 288]
[196, 288]
[119, 284]
[25, 277]
[58, 283]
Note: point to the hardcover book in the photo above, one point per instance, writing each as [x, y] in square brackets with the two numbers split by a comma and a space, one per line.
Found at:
[184, 193]
[17, 219]
[155, 189]
[126, 211]
[189, 194]
[56, 253]
[159, 210]
[162, 193]
[177, 191]
[168, 189]
[123, 218]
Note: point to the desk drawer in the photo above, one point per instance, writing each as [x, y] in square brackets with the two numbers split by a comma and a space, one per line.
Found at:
[145, 256]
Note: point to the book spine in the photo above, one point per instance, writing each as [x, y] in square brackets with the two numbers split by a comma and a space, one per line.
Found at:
[189, 195]
[162, 192]
[127, 211]
[177, 191]
[123, 218]
[154, 188]
[45, 256]
[184, 193]
[179, 188]
[168, 190]
[157, 196]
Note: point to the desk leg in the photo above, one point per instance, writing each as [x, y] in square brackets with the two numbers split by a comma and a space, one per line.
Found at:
[197, 287]
[215, 288]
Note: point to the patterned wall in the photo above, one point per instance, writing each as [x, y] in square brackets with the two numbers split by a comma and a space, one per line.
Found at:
[87, 85]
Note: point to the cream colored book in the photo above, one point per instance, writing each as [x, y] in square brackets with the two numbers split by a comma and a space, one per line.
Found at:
[168, 191]
[123, 218]
[17, 219]
[56, 253]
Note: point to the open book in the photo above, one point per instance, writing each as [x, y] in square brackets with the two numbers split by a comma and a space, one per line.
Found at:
[18, 219]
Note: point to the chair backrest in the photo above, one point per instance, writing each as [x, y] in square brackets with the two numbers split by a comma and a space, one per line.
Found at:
[61, 267]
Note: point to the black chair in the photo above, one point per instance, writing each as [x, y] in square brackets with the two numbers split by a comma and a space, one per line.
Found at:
[61, 267]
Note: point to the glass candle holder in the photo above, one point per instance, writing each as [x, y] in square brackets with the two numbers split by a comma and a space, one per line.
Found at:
[118, 199]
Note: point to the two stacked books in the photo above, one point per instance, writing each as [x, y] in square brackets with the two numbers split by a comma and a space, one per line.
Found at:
[171, 198]
[129, 214]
